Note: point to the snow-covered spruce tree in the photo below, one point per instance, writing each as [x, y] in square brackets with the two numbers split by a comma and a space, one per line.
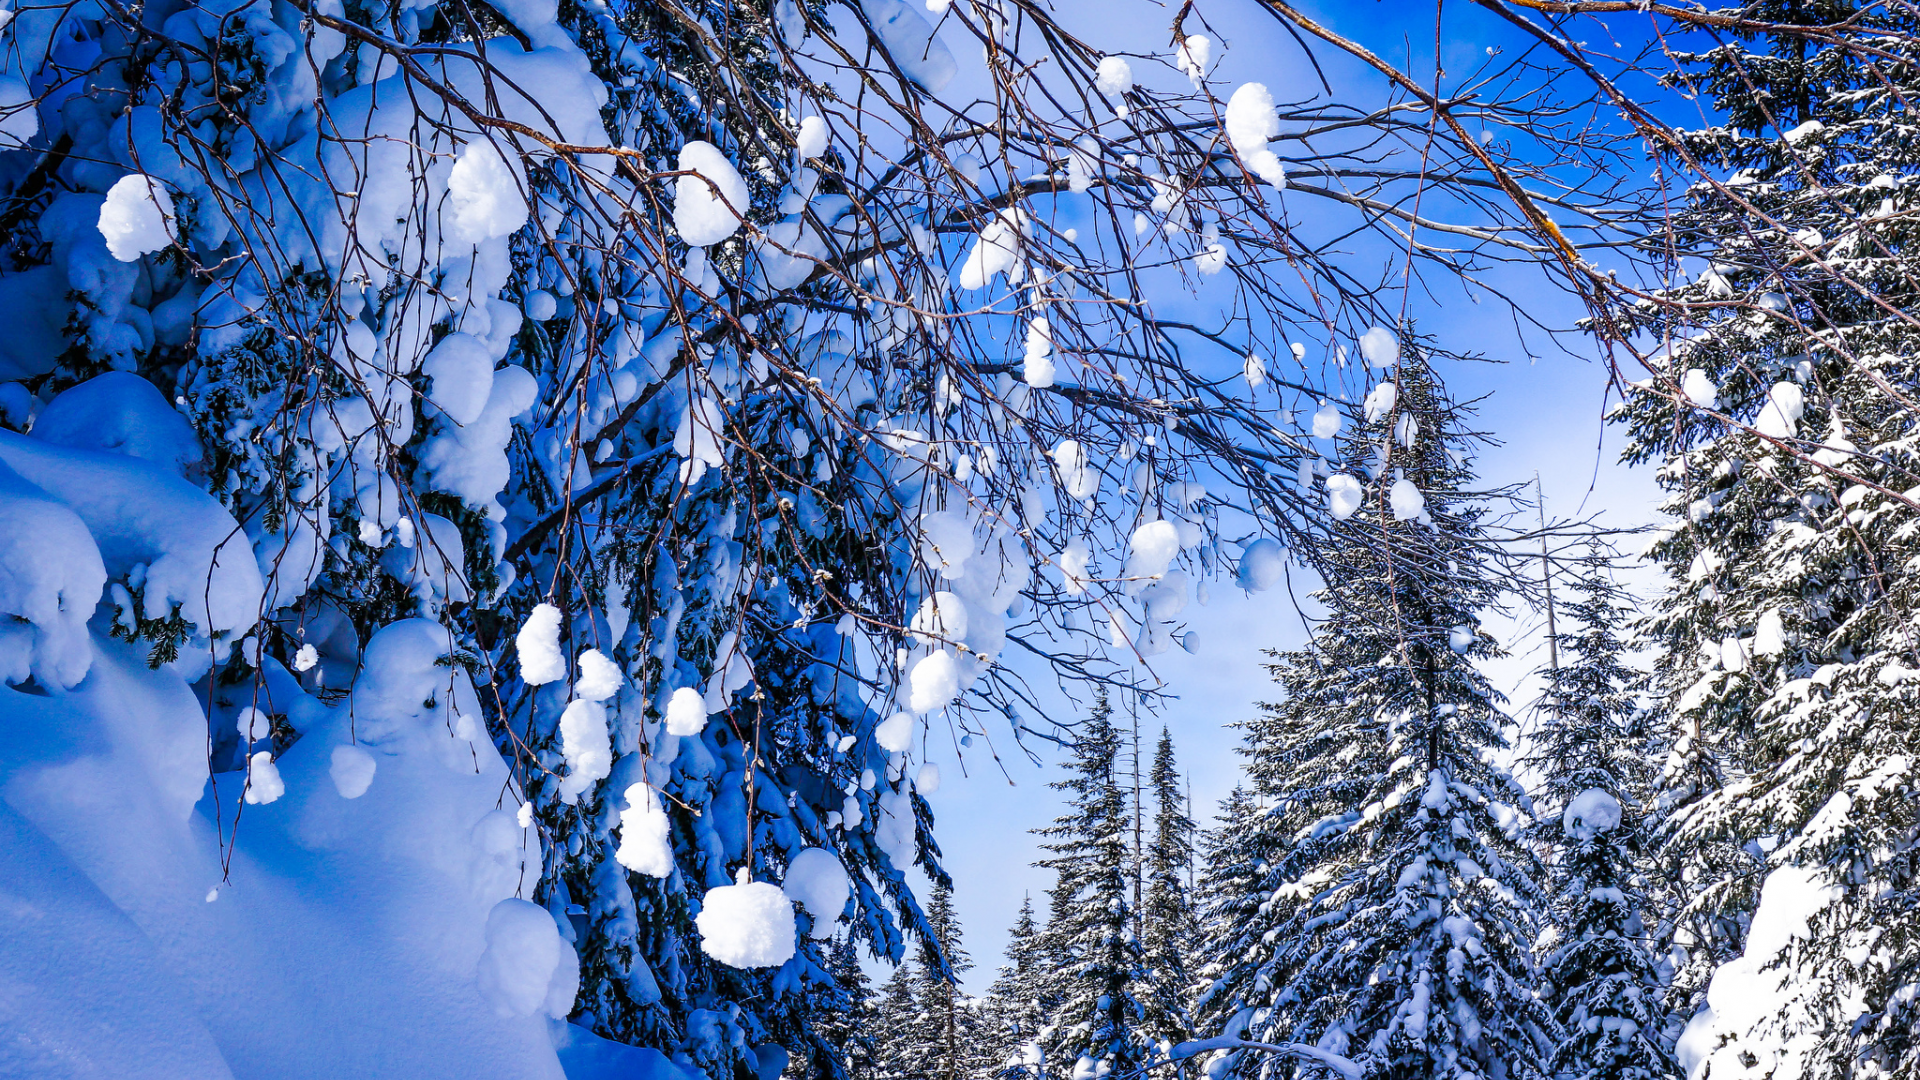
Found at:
[951, 1025]
[1233, 913]
[1019, 1001]
[1410, 906]
[1167, 924]
[628, 404]
[1783, 424]
[1095, 1024]
[848, 1024]
[900, 1038]
[1599, 973]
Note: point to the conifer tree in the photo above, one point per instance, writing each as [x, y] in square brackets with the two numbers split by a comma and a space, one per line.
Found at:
[1167, 918]
[951, 1031]
[847, 1028]
[1018, 1001]
[900, 1043]
[1599, 974]
[1782, 422]
[1410, 911]
[1096, 1017]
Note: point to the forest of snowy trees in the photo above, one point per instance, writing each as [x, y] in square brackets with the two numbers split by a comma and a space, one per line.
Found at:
[506, 506]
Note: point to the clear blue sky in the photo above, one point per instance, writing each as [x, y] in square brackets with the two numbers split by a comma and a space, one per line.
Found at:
[1548, 415]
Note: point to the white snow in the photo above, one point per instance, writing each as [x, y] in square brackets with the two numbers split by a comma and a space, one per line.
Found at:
[818, 882]
[1262, 565]
[352, 769]
[1193, 56]
[946, 542]
[895, 829]
[461, 370]
[699, 212]
[1770, 637]
[589, 751]
[538, 643]
[748, 925]
[1250, 122]
[697, 439]
[911, 42]
[1780, 417]
[1699, 389]
[527, 967]
[1039, 364]
[895, 733]
[1379, 403]
[686, 712]
[1152, 548]
[1405, 499]
[600, 677]
[19, 115]
[1326, 422]
[263, 779]
[933, 682]
[1077, 474]
[1380, 347]
[995, 251]
[307, 658]
[1344, 494]
[1461, 638]
[1114, 76]
[50, 579]
[644, 830]
[252, 724]
[811, 139]
[1591, 813]
[1073, 561]
[486, 196]
[927, 780]
[137, 217]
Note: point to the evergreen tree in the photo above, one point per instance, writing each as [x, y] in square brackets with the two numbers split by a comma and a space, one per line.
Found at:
[1018, 1001]
[1782, 420]
[847, 1028]
[1599, 974]
[901, 1047]
[1095, 1017]
[1409, 911]
[950, 1023]
[1167, 918]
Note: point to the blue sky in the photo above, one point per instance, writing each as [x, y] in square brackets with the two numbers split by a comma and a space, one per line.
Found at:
[1548, 414]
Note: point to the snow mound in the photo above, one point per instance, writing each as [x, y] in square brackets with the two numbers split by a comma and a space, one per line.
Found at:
[934, 682]
[120, 413]
[485, 196]
[1591, 813]
[644, 830]
[527, 967]
[1251, 121]
[1326, 422]
[352, 770]
[1780, 417]
[1153, 547]
[1380, 347]
[909, 38]
[1405, 499]
[1379, 403]
[186, 551]
[600, 677]
[1344, 494]
[895, 734]
[1114, 76]
[699, 212]
[51, 575]
[588, 749]
[749, 925]
[686, 712]
[817, 881]
[1699, 389]
[1262, 565]
[137, 217]
[538, 643]
[264, 784]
